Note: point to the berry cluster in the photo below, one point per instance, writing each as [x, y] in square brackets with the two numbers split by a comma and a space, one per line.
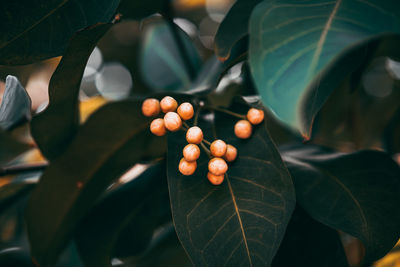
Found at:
[219, 151]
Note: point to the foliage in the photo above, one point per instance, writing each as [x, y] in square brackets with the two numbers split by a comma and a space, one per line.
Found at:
[288, 197]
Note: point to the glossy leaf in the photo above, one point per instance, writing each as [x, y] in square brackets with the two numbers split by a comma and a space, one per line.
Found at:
[12, 191]
[15, 105]
[234, 27]
[293, 42]
[45, 27]
[139, 9]
[309, 243]
[103, 149]
[54, 128]
[355, 193]
[129, 216]
[242, 221]
[161, 64]
[10, 147]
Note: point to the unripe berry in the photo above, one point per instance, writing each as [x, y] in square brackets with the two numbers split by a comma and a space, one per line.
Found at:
[194, 135]
[243, 129]
[218, 148]
[157, 127]
[172, 121]
[191, 152]
[185, 110]
[217, 166]
[215, 179]
[255, 116]
[231, 153]
[168, 104]
[150, 107]
[186, 167]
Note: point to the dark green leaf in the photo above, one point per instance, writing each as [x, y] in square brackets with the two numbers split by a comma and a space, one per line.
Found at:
[16, 104]
[12, 191]
[36, 30]
[234, 27]
[356, 193]
[242, 221]
[392, 133]
[139, 9]
[10, 148]
[122, 224]
[54, 128]
[309, 243]
[113, 139]
[161, 64]
[292, 43]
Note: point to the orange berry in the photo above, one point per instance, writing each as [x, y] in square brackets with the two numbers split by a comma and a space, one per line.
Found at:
[215, 179]
[243, 129]
[218, 148]
[157, 127]
[168, 104]
[150, 107]
[217, 166]
[187, 167]
[255, 116]
[185, 110]
[191, 152]
[231, 153]
[172, 121]
[194, 135]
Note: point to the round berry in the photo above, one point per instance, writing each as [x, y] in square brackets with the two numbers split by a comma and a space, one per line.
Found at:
[194, 135]
[231, 153]
[187, 167]
[191, 152]
[150, 107]
[172, 121]
[217, 166]
[168, 104]
[185, 110]
[215, 179]
[255, 116]
[157, 127]
[243, 129]
[218, 148]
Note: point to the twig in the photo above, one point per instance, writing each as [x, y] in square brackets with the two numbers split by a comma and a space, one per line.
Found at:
[240, 116]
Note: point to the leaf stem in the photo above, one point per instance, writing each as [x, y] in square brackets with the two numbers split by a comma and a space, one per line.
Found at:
[16, 169]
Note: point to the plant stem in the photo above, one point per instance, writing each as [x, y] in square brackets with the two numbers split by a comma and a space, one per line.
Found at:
[169, 17]
[16, 169]
[240, 116]
[206, 149]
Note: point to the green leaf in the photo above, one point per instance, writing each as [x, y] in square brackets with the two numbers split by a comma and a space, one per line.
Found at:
[10, 147]
[243, 220]
[36, 30]
[129, 216]
[139, 9]
[54, 128]
[113, 139]
[234, 27]
[12, 191]
[16, 104]
[355, 193]
[392, 133]
[161, 64]
[309, 243]
[293, 43]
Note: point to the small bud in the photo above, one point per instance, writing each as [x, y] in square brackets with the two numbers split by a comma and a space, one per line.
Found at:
[218, 148]
[217, 166]
[157, 127]
[186, 167]
[231, 153]
[185, 110]
[255, 116]
[151, 107]
[215, 179]
[194, 135]
[243, 129]
[172, 121]
[191, 152]
[168, 104]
